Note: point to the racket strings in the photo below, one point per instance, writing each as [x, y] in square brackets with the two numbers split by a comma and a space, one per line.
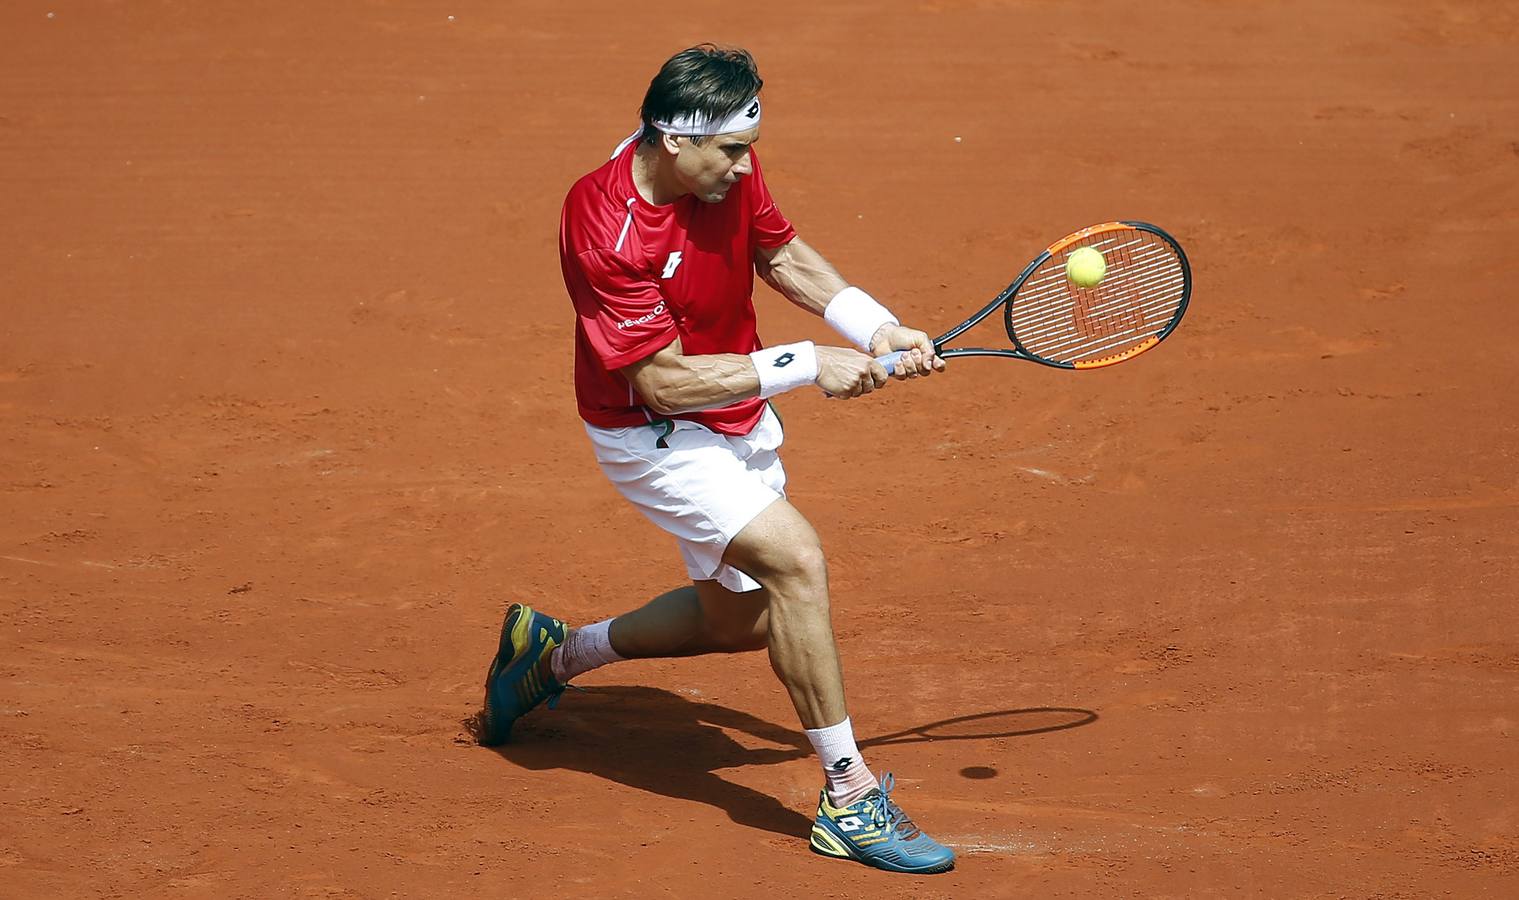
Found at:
[1142, 293]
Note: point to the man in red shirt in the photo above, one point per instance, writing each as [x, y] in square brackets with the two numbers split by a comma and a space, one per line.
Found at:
[659, 247]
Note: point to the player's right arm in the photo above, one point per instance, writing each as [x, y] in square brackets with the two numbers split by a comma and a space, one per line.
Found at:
[671, 382]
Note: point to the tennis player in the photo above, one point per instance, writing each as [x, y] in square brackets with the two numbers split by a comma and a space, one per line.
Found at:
[659, 247]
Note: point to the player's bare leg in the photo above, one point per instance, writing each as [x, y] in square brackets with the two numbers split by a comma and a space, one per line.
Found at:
[703, 617]
[781, 551]
[699, 618]
[856, 817]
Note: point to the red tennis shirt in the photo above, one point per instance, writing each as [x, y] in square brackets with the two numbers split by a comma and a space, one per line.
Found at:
[642, 275]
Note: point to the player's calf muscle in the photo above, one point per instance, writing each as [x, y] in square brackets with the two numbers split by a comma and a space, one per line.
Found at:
[739, 625]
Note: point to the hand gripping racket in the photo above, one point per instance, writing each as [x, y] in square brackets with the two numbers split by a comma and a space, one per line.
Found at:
[1053, 321]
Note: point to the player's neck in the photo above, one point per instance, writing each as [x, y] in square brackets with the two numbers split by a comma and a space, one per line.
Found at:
[653, 178]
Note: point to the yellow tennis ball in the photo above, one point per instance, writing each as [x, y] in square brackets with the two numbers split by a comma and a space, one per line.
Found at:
[1085, 267]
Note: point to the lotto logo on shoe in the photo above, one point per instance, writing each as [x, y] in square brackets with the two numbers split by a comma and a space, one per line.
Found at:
[629, 323]
[784, 360]
[850, 823]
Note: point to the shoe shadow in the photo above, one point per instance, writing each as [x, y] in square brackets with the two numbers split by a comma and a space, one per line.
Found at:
[663, 743]
[667, 744]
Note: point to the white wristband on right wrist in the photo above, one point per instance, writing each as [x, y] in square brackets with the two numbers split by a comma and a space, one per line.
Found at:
[857, 316]
[785, 367]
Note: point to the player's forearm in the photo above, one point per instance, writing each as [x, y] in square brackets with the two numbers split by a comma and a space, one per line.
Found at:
[690, 383]
[800, 274]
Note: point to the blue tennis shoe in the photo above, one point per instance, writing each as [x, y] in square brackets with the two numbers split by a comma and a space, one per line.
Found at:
[875, 831]
[518, 680]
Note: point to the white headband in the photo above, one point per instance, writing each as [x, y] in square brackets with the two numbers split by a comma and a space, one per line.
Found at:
[696, 125]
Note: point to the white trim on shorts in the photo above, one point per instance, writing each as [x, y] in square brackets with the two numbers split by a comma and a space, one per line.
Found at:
[702, 487]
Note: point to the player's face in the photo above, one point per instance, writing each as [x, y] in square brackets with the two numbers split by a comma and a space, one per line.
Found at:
[711, 169]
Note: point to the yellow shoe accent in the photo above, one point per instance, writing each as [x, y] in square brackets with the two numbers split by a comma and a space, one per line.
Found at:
[520, 632]
[824, 843]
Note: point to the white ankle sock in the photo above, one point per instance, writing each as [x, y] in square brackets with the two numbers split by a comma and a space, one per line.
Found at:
[587, 648]
[848, 778]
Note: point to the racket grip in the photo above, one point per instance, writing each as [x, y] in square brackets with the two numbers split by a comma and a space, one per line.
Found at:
[889, 361]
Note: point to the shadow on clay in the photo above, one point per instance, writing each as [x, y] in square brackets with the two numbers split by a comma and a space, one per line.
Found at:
[664, 743]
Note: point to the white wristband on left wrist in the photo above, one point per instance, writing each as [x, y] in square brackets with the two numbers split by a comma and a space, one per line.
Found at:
[785, 367]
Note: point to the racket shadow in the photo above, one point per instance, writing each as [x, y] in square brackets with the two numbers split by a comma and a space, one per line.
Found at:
[1007, 723]
[665, 743]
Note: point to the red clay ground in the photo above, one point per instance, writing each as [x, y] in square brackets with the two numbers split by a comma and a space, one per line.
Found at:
[287, 421]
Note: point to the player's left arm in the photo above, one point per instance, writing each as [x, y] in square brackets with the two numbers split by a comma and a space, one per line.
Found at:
[802, 275]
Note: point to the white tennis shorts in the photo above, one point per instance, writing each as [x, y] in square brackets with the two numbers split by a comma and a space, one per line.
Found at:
[701, 486]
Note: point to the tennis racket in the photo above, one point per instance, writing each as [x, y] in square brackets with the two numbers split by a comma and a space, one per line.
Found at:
[1052, 321]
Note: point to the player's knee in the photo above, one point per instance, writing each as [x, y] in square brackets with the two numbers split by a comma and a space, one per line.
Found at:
[780, 550]
[800, 565]
[809, 564]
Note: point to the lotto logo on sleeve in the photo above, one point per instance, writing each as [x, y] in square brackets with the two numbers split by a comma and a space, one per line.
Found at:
[784, 360]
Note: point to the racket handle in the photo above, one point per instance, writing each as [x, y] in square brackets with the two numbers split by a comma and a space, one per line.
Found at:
[889, 361]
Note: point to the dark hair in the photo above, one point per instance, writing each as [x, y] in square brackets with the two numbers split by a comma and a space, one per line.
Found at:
[711, 81]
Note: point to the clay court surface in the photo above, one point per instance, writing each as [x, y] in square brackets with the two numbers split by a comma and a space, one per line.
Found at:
[284, 381]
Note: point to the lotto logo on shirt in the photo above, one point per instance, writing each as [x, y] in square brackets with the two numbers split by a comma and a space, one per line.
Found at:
[629, 323]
